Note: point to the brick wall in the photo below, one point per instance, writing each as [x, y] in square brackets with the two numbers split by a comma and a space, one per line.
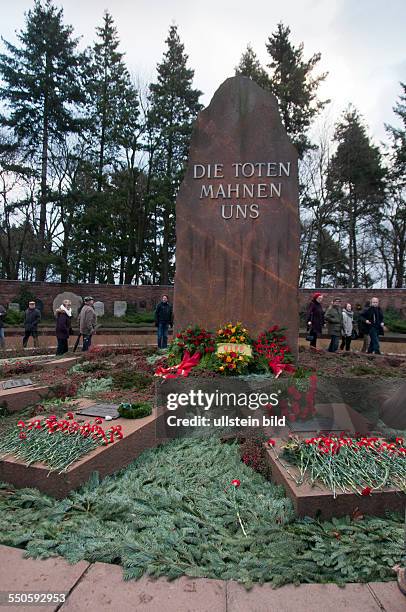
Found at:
[145, 297]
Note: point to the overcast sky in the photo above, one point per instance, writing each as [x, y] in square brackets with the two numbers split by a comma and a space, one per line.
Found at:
[362, 42]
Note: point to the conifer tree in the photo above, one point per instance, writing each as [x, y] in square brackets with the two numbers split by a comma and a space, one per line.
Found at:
[250, 66]
[174, 107]
[356, 183]
[294, 85]
[40, 85]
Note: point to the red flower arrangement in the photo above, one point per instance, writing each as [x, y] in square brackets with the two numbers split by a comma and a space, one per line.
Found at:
[271, 345]
[191, 340]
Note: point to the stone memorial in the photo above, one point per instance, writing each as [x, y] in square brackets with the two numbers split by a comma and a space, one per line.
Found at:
[14, 306]
[68, 295]
[237, 218]
[99, 308]
[120, 308]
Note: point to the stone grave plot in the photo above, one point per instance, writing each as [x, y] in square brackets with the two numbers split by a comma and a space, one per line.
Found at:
[100, 410]
[138, 435]
[319, 502]
[18, 396]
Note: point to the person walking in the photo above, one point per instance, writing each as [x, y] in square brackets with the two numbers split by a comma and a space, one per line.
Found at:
[163, 319]
[363, 327]
[87, 322]
[348, 327]
[334, 320]
[2, 340]
[315, 319]
[63, 326]
[373, 317]
[31, 319]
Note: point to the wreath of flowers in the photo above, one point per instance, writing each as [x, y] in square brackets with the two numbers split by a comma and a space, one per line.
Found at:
[231, 362]
[192, 339]
[234, 333]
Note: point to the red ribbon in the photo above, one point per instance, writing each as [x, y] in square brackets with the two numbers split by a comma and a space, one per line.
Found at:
[182, 369]
[278, 367]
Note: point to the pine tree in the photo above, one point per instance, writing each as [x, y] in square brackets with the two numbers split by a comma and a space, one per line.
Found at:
[174, 107]
[294, 85]
[40, 86]
[356, 183]
[112, 113]
[250, 66]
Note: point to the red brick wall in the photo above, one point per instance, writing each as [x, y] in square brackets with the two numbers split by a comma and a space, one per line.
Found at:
[145, 297]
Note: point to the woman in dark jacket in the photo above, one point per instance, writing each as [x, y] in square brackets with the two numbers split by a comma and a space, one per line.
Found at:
[63, 326]
[315, 318]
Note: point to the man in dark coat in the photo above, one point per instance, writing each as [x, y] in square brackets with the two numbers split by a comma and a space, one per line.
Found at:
[163, 319]
[315, 318]
[31, 320]
[373, 317]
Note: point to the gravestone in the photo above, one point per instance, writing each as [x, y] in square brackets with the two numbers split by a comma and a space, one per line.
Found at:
[14, 306]
[68, 295]
[18, 382]
[99, 308]
[120, 308]
[237, 218]
[100, 410]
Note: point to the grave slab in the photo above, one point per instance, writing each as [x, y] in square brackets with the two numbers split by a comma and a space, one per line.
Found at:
[389, 595]
[16, 383]
[139, 435]
[19, 398]
[319, 502]
[100, 410]
[103, 588]
[20, 575]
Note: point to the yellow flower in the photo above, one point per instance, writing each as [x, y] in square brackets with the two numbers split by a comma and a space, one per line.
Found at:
[228, 359]
[230, 325]
[242, 338]
[240, 358]
[232, 339]
[233, 330]
[244, 330]
[221, 368]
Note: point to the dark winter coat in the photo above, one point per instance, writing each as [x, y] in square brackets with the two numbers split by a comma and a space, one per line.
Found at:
[164, 313]
[63, 325]
[334, 318]
[363, 328]
[32, 318]
[373, 314]
[315, 314]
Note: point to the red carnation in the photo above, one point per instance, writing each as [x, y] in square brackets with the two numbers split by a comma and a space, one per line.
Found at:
[366, 491]
[271, 442]
[69, 415]
[236, 483]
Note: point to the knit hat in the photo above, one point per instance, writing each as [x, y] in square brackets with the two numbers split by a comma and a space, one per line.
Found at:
[316, 295]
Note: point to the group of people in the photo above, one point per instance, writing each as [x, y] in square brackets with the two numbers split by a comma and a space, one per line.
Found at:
[343, 323]
[87, 321]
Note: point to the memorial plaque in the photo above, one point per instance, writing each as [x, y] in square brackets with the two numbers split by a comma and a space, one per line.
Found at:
[237, 218]
[100, 410]
[120, 308]
[18, 382]
[99, 308]
[14, 306]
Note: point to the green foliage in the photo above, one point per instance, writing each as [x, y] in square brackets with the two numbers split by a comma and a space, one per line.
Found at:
[250, 66]
[130, 379]
[294, 84]
[394, 322]
[172, 513]
[24, 296]
[135, 411]
[139, 318]
[14, 317]
[93, 386]
[88, 367]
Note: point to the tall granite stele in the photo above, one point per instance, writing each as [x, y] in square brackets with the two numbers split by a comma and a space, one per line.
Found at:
[237, 218]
